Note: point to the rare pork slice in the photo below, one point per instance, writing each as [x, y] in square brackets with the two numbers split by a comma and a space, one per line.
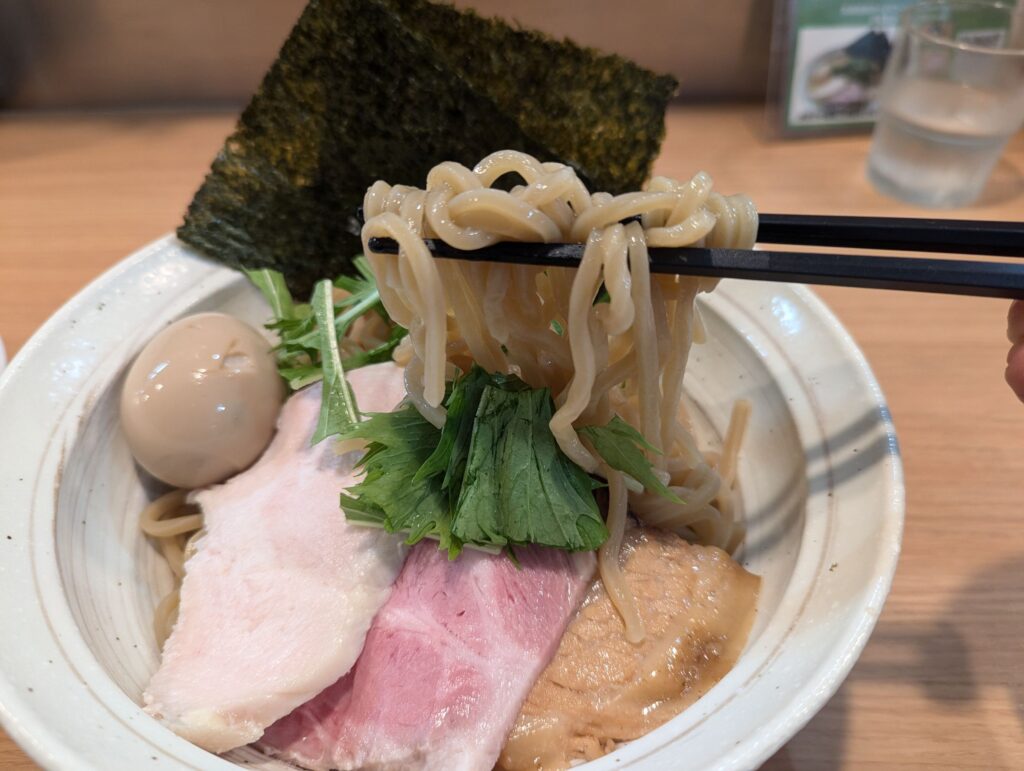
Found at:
[279, 595]
[448, 662]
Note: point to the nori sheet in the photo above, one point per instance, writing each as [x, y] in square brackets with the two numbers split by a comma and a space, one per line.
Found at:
[385, 89]
[601, 113]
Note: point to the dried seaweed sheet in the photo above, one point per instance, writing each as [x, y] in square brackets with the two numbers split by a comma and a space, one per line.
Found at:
[385, 89]
[601, 113]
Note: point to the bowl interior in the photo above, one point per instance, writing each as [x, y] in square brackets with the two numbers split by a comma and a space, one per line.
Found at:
[113, 577]
[820, 482]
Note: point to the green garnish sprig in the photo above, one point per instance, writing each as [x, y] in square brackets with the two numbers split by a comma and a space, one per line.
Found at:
[493, 477]
[309, 349]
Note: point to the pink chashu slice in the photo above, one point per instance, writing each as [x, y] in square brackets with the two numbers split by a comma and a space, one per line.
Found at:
[277, 600]
[448, 662]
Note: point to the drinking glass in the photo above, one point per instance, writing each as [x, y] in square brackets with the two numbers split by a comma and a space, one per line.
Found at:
[951, 97]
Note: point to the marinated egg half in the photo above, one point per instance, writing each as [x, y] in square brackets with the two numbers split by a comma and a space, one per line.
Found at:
[201, 400]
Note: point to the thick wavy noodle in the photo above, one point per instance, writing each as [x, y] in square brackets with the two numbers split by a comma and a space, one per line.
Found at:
[173, 525]
[626, 356]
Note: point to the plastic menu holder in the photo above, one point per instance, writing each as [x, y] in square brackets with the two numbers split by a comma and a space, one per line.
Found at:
[827, 62]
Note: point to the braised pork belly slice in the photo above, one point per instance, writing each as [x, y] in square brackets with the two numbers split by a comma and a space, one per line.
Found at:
[697, 605]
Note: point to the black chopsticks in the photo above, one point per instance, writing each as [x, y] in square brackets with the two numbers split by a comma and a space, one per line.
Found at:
[998, 239]
[919, 274]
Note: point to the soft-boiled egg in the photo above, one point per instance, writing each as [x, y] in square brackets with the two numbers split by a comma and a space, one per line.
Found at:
[201, 400]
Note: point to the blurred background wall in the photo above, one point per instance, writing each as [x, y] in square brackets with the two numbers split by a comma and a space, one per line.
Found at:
[114, 54]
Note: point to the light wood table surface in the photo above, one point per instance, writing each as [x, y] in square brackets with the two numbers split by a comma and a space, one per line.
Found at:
[941, 683]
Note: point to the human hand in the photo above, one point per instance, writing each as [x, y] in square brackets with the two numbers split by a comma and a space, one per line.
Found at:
[1015, 358]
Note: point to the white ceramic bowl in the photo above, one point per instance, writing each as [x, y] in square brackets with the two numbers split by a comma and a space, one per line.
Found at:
[821, 486]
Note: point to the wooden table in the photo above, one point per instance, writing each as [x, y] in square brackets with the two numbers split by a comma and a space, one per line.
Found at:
[941, 682]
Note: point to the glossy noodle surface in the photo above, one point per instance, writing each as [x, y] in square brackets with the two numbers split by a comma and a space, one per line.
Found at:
[607, 338]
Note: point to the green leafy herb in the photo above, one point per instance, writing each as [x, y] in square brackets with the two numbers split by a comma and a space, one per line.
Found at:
[275, 290]
[338, 411]
[300, 377]
[449, 457]
[363, 296]
[378, 353]
[493, 477]
[622, 447]
[518, 486]
[462, 404]
[309, 335]
[389, 495]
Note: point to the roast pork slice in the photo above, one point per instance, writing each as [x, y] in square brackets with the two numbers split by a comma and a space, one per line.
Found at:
[277, 600]
[447, 664]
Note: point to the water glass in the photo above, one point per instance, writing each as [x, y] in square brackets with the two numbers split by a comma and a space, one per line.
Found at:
[951, 97]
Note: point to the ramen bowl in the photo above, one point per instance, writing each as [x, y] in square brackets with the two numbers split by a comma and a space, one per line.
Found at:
[820, 483]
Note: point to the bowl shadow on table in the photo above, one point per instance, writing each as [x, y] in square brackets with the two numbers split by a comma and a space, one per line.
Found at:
[968, 647]
[971, 646]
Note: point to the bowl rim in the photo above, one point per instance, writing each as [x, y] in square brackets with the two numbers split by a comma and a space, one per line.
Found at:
[26, 721]
[829, 677]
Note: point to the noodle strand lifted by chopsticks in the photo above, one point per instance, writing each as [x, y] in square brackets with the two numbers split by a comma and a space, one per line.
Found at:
[608, 557]
[625, 356]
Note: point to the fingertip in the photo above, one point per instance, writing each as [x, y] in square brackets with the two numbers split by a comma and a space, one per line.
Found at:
[1015, 369]
[1015, 322]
